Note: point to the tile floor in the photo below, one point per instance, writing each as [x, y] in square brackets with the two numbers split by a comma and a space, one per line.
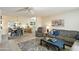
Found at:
[16, 40]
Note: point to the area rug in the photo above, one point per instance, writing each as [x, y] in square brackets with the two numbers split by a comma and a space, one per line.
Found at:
[32, 45]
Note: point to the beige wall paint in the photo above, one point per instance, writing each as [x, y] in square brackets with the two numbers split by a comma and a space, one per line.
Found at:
[46, 21]
[39, 22]
[22, 19]
[5, 24]
[6, 19]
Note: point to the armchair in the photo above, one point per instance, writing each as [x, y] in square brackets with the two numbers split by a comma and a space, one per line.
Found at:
[39, 32]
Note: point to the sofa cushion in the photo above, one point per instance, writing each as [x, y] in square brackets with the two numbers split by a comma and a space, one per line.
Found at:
[69, 39]
[68, 33]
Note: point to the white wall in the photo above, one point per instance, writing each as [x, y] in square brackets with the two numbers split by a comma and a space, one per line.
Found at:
[71, 20]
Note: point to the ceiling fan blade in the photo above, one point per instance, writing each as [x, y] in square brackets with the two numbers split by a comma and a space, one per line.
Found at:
[23, 9]
[28, 10]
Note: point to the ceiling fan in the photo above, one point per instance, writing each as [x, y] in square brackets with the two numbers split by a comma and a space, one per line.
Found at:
[28, 10]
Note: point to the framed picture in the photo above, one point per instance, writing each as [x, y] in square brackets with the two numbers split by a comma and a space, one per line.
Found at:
[58, 22]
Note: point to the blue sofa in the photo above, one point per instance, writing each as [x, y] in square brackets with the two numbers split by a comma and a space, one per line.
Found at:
[67, 35]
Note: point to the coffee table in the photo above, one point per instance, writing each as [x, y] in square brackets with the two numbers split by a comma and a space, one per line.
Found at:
[54, 42]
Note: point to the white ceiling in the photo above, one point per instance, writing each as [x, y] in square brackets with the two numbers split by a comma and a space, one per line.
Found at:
[38, 11]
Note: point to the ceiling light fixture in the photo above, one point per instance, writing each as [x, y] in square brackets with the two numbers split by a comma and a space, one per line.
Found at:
[28, 10]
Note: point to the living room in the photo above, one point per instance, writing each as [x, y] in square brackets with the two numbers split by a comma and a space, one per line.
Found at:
[61, 19]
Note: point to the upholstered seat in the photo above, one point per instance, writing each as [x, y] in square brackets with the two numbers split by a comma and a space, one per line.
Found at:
[39, 32]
